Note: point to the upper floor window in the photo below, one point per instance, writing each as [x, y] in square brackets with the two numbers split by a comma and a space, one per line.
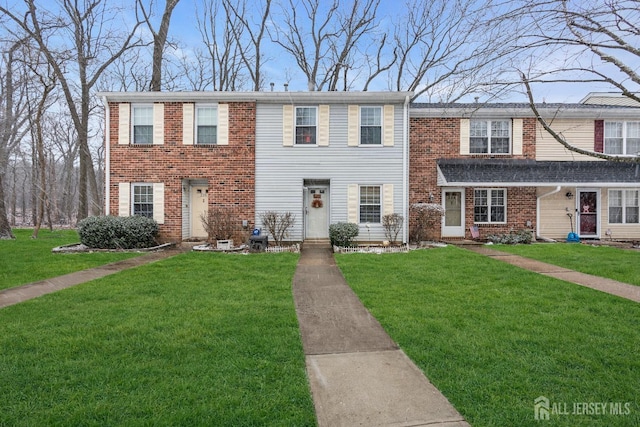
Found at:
[371, 125]
[142, 124]
[489, 205]
[370, 206]
[306, 125]
[206, 125]
[489, 137]
[622, 138]
[624, 207]
[142, 200]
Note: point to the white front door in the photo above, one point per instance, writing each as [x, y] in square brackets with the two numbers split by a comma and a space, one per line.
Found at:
[453, 221]
[199, 207]
[316, 212]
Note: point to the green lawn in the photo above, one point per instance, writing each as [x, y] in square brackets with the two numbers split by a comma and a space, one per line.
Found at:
[26, 260]
[493, 337]
[198, 339]
[604, 261]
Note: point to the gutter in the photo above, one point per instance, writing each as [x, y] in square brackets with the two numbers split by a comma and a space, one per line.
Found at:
[107, 157]
[557, 189]
[405, 170]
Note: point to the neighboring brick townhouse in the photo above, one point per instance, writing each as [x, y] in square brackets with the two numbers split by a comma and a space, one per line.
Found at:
[356, 156]
[494, 167]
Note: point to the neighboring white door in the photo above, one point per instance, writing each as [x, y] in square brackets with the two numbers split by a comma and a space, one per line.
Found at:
[316, 213]
[199, 207]
[588, 219]
[453, 221]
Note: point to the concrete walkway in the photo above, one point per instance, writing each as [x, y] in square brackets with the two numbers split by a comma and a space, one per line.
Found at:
[358, 375]
[22, 293]
[603, 284]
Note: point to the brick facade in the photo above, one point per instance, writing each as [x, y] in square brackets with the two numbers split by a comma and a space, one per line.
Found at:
[228, 169]
[439, 138]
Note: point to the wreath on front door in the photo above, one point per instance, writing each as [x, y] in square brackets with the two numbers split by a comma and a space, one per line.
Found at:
[317, 203]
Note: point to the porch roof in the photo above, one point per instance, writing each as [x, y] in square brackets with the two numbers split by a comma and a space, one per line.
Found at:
[532, 173]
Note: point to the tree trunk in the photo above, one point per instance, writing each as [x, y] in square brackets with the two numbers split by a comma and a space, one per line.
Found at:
[5, 228]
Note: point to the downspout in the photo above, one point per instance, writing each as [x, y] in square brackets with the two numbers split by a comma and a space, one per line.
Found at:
[107, 157]
[405, 171]
[557, 189]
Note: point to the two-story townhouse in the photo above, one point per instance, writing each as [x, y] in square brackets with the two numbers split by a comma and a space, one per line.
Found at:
[494, 167]
[333, 157]
[171, 156]
[323, 156]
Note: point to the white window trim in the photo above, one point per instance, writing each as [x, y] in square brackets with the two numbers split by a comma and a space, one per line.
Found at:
[489, 121]
[488, 190]
[133, 196]
[624, 206]
[381, 195]
[295, 125]
[133, 124]
[382, 128]
[624, 137]
[195, 123]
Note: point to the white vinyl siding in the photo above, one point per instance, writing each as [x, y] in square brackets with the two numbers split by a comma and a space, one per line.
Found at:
[124, 123]
[579, 132]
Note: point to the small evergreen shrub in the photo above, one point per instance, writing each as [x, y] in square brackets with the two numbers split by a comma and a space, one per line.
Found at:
[114, 232]
[343, 233]
[512, 238]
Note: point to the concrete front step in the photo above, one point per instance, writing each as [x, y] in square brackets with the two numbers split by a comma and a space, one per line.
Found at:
[317, 243]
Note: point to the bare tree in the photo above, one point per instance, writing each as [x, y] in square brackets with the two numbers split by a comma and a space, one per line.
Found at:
[79, 40]
[13, 116]
[220, 30]
[599, 44]
[159, 39]
[451, 48]
[250, 52]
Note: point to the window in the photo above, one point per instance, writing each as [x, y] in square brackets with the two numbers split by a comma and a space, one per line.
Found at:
[143, 124]
[143, 200]
[623, 207]
[370, 204]
[206, 125]
[306, 125]
[371, 125]
[622, 138]
[489, 205]
[489, 137]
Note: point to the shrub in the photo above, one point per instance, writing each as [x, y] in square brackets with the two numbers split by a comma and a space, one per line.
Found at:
[277, 224]
[392, 224]
[512, 237]
[111, 232]
[220, 224]
[343, 233]
[428, 220]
